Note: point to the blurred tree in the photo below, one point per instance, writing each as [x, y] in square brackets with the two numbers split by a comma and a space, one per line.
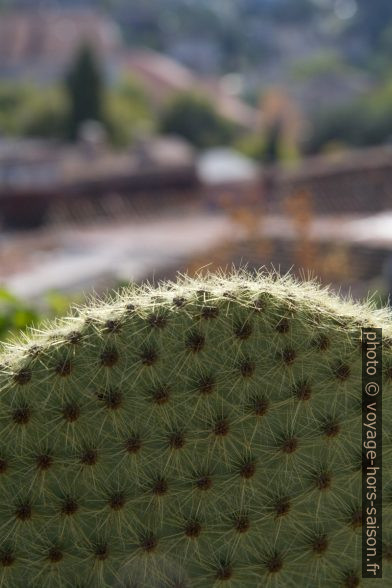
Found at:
[85, 89]
[26, 110]
[365, 121]
[279, 138]
[272, 142]
[13, 97]
[44, 114]
[127, 112]
[193, 117]
[319, 65]
[265, 147]
[283, 124]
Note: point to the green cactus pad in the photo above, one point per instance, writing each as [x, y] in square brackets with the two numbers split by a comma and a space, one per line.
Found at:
[203, 433]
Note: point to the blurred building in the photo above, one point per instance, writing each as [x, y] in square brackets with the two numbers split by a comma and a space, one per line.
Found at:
[38, 43]
[39, 179]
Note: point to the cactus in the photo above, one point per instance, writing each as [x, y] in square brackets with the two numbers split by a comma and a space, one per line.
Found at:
[203, 432]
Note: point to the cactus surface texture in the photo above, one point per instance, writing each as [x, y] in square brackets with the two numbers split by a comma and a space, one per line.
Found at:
[198, 433]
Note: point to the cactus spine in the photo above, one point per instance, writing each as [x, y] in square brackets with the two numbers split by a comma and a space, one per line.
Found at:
[201, 433]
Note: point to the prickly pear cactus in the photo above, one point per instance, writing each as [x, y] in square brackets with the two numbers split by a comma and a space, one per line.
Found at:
[200, 433]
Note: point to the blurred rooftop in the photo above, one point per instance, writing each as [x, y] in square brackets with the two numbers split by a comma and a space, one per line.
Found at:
[162, 77]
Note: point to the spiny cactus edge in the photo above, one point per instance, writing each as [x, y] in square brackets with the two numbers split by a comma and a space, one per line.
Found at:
[204, 432]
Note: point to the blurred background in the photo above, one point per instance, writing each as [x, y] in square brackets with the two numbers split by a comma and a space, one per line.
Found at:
[141, 137]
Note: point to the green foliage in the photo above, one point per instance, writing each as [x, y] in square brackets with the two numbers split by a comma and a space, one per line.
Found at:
[265, 147]
[268, 147]
[321, 64]
[27, 110]
[31, 111]
[366, 121]
[251, 145]
[45, 114]
[202, 433]
[193, 117]
[127, 112]
[16, 315]
[84, 86]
